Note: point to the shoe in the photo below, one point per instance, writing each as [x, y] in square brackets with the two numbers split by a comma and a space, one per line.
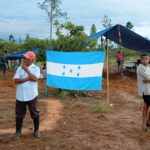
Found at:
[18, 134]
[37, 134]
[148, 125]
[36, 122]
[145, 128]
[18, 126]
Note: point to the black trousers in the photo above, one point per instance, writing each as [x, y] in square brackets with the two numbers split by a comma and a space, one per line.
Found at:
[4, 69]
[119, 63]
[146, 99]
[33, 108]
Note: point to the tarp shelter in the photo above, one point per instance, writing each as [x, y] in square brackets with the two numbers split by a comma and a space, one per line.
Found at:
[15, 55]
[127, 39]
[18, 55]
[124, 37]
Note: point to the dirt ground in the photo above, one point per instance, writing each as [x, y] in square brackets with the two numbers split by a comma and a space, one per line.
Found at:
[71, 124]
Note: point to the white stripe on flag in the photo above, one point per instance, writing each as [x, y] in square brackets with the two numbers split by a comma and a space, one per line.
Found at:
[80, 71]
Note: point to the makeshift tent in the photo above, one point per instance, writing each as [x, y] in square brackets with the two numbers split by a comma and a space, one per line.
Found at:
[124, 37]
[18, 55]
[129, 39]
[15, 55]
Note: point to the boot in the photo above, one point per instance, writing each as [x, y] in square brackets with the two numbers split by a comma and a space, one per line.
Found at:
[18, 126]
[36, 122]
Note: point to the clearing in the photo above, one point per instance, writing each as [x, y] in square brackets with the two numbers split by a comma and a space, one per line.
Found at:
[71, 124]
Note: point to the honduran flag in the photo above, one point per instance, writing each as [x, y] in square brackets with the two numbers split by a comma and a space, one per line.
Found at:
[75, 70]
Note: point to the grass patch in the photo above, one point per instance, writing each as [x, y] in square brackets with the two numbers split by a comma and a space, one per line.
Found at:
[101, 107]
[63, 95]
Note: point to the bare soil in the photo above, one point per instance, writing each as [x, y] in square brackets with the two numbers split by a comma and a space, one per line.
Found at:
[71, 124]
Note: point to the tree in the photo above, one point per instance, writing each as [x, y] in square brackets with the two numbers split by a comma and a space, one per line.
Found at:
[106, 22]
[129, 25]
[93, 29]
[11, 38]
[57, 24]
[72, 37]
[53, 11]
[27, 37]
[20, 40]
[9, 46]
[36, 43]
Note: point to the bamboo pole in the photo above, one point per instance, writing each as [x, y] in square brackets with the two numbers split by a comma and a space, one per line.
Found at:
[46, 90]
[107, 63]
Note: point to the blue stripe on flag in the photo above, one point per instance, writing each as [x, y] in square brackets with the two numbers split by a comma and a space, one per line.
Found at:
[91, 83]
[75, 57]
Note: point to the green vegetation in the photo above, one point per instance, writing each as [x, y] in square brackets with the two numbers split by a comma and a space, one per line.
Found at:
[129, 56]
[101, 107]
[63, 95]
[70, 37]
[93, 29]
[129, 25]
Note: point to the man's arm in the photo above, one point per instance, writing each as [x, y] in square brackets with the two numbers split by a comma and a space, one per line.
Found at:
[32, 77]
[21, 80]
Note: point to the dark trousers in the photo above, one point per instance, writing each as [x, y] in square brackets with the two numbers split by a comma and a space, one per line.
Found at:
[118, 62]
[147, 100]
[4, 69]
[33, 108]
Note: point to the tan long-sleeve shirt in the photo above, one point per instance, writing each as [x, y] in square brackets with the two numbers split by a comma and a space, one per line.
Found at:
[143, 73]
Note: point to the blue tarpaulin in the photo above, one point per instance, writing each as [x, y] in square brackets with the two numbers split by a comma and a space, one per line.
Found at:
[129, 39]
[18, 55]
[15, 55]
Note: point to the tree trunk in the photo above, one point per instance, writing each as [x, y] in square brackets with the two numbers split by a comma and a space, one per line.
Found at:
[51, 22]
[51, 29]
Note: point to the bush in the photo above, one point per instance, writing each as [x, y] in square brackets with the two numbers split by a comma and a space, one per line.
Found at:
[101, 107]
[63, 94]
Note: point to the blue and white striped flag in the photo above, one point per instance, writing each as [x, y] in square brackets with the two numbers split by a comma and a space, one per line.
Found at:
[75, 70]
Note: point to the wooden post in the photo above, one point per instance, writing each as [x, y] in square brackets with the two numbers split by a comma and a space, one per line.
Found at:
[107, 63]
[120, 42]
[46, 90]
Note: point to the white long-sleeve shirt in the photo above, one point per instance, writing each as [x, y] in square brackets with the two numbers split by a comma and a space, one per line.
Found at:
[143, 73]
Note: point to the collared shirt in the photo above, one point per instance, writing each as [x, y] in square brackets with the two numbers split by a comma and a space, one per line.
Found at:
[28, 90]
[143, 73]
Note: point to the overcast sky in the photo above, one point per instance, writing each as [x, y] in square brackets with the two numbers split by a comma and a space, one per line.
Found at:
[19, 17]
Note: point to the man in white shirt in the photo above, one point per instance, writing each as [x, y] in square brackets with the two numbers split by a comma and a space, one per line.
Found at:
[143, 77]
[26, 80]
